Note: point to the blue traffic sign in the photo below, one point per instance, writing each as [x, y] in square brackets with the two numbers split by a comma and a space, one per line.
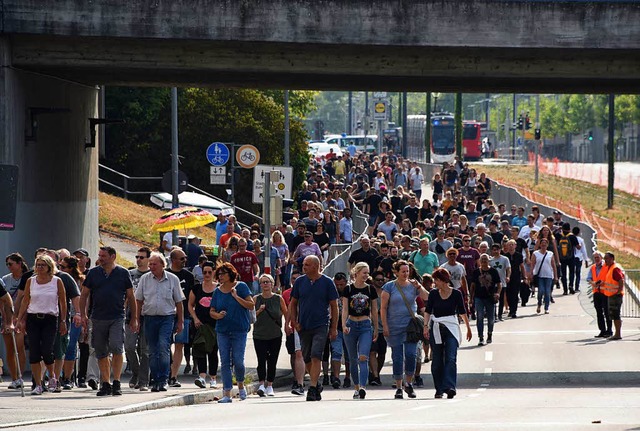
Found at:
[218, 154]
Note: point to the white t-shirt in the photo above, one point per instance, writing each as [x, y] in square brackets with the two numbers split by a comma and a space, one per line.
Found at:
[457, 271]
[168, 237]
[543, 269]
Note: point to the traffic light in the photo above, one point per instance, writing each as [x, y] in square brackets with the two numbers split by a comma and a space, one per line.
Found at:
[520, 122]
[590, 138]
[372, 125]
[537, 134]
[359, 124]
[527, 122]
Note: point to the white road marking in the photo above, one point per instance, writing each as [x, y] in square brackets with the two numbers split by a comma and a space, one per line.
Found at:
[488, 356]
[473, 395]
[380, 415]
[422, 407]
[487, 372]
[481, 389]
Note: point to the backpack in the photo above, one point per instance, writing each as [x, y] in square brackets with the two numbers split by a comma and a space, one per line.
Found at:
[565, 247]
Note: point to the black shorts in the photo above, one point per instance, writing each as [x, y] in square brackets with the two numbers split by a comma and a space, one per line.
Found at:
[292, 343]
[380, 345]
[314, 343]
[614, 305]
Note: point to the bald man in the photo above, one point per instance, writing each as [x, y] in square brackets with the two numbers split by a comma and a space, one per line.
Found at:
[312, 296]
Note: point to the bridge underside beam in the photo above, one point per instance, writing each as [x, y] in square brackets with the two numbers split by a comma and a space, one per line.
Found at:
[119, 61]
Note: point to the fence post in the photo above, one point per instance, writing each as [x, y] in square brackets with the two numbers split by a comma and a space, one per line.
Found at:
[125, 186]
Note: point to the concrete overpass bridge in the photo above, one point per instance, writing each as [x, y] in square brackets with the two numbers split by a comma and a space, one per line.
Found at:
[55, 53]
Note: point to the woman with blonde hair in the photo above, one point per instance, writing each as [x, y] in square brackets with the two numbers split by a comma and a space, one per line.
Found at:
[359, 316]
[44, 304]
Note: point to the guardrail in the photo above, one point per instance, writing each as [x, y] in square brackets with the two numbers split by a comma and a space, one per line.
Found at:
[631, 302]
[127, 188]
[339, 253]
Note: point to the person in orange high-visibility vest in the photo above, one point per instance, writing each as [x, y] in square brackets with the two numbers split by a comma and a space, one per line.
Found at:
[595, 278]
[613, 287]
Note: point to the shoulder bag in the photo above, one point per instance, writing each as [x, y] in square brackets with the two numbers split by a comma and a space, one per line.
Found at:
[536, 276]
[415, 327]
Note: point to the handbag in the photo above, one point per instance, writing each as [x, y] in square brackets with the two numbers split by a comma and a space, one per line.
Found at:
[415, 327]
[536, 277]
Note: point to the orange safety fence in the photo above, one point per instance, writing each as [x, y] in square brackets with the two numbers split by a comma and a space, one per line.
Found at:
[620, 235]
[627, 179]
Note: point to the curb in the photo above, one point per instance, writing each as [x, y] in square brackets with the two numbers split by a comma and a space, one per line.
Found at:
[200, 397]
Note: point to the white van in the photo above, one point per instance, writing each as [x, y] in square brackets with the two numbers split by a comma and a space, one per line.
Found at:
[363, 143]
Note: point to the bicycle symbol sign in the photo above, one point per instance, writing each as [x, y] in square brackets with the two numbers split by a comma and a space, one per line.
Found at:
[247, 156]
[218, 154]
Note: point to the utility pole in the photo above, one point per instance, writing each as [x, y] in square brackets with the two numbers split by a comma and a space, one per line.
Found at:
[513, 135]
[536, 142]
[174, 157]
[286, 128]
[458, 125]
[350, 115]
[427, 131]
[404, 125]
[611, 151]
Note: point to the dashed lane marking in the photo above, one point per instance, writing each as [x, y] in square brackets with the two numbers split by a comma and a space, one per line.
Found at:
[488, 356]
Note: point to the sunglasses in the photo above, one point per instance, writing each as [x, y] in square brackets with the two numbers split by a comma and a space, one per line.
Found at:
[266, 282]
[141, 257]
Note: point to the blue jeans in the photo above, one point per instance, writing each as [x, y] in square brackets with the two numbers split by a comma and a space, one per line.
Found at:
[544, 290]
[337, 347]
[444, 368]
[158, 331]
[484, 307]
[72, 347]
[358, 342]
[231, 345]
[404, 356]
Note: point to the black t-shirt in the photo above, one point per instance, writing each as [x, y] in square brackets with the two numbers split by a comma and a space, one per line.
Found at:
[438, 307]
[486, 282]
[496, 237]
[359, 300]
[373, 201]
[71, 290]
[203, 304]
[412, 213]
[321, 239]
[515, 260]
[521, 245]
[23, 280]
[368, 256]
[387, 266]
[186, 284]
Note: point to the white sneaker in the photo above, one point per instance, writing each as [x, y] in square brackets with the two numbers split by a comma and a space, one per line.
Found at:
[16, 384]
[200, 382]
[261, 391]
[37, 390]
[213, 384]
[270, 391]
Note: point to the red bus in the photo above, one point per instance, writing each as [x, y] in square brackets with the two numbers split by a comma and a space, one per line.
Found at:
[471, 140]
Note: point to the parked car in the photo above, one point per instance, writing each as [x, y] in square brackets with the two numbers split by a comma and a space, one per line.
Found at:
[322, 149]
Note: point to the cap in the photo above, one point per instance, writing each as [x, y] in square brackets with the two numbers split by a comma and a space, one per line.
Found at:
[82, 251]
[557, 212]
[191, 237]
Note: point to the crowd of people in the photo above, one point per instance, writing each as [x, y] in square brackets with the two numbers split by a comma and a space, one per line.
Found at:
[423, 267]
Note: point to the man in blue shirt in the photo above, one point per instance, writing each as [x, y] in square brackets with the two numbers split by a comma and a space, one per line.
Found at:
[221, 227]
[312, 296]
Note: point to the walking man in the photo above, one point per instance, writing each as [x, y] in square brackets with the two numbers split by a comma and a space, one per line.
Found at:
[313, 295]
[160, 299]
[107, 286]
[596, 277]
[135, 345]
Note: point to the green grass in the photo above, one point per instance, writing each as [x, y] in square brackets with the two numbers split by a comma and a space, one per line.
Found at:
[135, 221]
[593, 198]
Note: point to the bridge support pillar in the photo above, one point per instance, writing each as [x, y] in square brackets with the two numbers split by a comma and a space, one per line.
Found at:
[43, 129]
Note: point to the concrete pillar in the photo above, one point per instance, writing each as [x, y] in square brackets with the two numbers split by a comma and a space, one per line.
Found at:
[58, 184]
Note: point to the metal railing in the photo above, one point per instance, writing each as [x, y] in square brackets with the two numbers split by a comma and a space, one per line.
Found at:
[339, 253]
[631, 302]
[127, 188]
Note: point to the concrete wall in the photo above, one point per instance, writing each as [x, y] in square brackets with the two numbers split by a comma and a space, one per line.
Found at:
[57, 188]
[461, 23]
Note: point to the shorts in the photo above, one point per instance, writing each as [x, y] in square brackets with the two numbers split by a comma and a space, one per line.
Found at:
[60, 346]
[420, 350]
[183, 337]
[337, 347]
[380, 345]
[313, 342]
[293, 343]
[614, 305]
[107, 336]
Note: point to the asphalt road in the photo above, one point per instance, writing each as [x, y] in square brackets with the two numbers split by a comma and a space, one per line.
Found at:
[541, 372]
